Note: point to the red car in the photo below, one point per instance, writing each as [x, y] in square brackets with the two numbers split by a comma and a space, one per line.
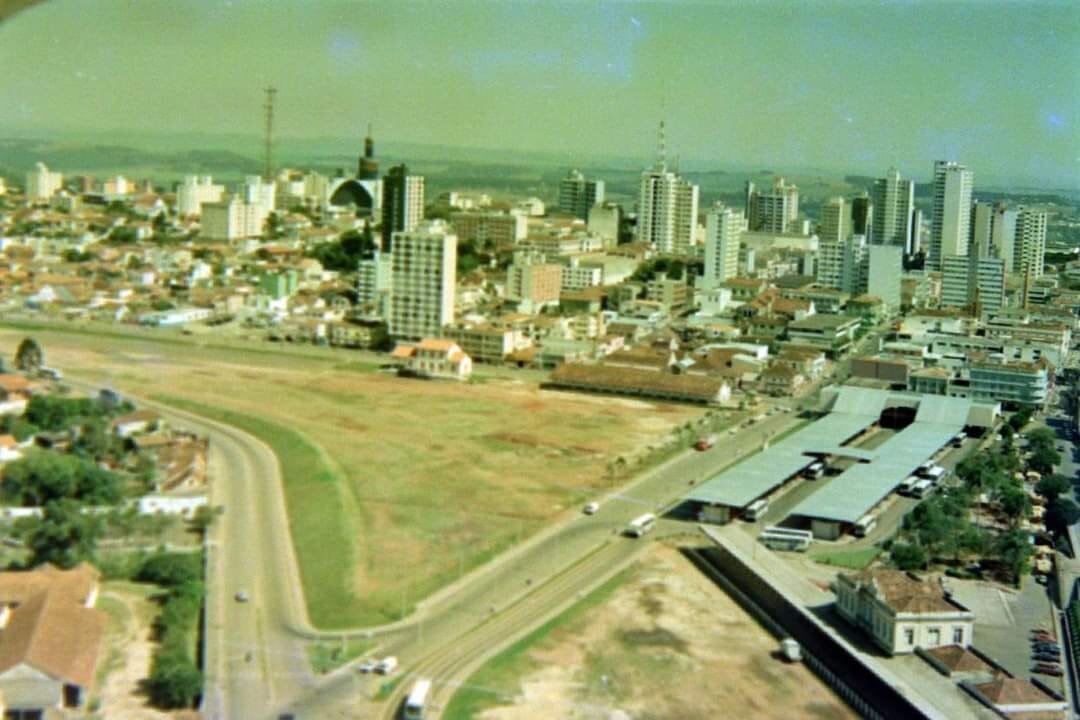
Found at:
[1047, 669]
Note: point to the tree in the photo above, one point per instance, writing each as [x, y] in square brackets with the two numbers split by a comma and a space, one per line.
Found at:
[43, 477]
[1013, 549]
[908, 557]
[63, 535]
[174, 680]
[29, 357]
[1041, 437]
[1015, 504]
[171, 569]
[1060, 514]
[1053, 486]
[1043, 459]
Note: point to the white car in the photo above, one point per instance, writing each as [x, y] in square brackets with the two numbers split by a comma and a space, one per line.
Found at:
[591, 508]
[386, 666]
[242, 596]
[367, 666]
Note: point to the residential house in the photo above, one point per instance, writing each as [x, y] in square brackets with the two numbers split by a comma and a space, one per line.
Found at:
[435, 358]
[781, 380]
[15, 392]
[134, 423]
[50, 636]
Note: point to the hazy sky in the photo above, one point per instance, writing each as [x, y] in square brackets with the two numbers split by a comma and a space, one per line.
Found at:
[855, 85]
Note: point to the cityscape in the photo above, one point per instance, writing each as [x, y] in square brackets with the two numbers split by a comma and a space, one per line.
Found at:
[614, 360]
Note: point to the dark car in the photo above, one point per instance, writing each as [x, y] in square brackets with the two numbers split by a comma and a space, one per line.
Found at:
[1047, 644]
[1044, 669]
[1046, 657]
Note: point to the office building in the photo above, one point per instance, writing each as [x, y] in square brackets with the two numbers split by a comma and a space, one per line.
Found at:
[774, 211]
[723, 228]
[841, 255]
[605, 219]
[423, 281]
[193, 192]
[532, 282]
[862, 217]
[1030, 242]
[232, 219]
[893, 200]
[885, 265]
[577, 195]
[667, 207]
[973, 283]
[402, 203]
[950, 224]
[42, 183]
[993, 232]
[490, 228]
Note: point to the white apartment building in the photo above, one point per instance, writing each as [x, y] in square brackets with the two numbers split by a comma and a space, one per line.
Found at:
[1030, 242]
[578, 276]
[966, 280]
[604, 220]
[373, 279]
[993, 232]
[423, 281]
[256, 192]
[885, 266]
[724, 227]
[577, 194]
[950, 224]
[667, 210]
[893, 200]
[232, 219]
[194, 191]
[773, 211]
[42, 183]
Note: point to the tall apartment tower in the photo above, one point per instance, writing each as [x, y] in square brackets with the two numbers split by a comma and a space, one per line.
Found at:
[973, 282]
[723, 228]
[423, 281]
[42, 183]
[993, 232]
[862, 217]
[194, 191]
[667, 207]
[772, 211]
[950, 225]
[402, 203]
[1030, 242]
[577, 195]
[833, 232]
[893, 199]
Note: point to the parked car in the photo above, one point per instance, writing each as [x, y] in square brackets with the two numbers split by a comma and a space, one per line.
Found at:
[1044, 669]
[367, 666]
[1045, 657]
[242, 596]
[1046, 647]
[591, 508]
[387, 665]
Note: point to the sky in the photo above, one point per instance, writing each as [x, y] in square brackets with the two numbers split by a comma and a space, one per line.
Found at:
[852, 85]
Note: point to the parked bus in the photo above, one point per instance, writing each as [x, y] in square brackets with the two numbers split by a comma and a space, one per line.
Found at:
[864, 526]
[936, 474]
[906, 486]
[958, 441]
[922, 488]
[779, 538]
[641, 525]
[414, 704]
[756, 510]
[814, 471]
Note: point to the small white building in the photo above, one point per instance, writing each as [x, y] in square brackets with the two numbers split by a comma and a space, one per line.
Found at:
[435, 358]
[170, 505]
[900, 611]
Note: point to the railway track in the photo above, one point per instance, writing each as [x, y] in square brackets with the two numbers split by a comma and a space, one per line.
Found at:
[449, 666]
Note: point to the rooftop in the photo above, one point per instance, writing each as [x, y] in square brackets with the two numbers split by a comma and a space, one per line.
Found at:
[904, 592]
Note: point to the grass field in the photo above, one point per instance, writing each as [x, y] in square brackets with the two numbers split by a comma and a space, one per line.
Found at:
[648, 643]
[383, 474]
[849, 559]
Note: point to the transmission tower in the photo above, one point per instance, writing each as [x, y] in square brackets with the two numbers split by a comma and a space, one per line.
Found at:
[268, 106]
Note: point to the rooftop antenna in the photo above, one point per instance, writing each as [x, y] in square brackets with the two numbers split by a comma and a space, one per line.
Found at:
[268, 106]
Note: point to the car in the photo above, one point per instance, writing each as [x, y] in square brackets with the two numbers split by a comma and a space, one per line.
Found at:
[1042, 637]
[590, 508]
[1043, 657]
[1042, 579]
[1046, 645]
[242, 596]
[1044, 669]
[387, 665]
[368, 666]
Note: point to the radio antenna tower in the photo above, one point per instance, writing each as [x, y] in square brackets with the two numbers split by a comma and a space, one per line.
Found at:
[268, 106]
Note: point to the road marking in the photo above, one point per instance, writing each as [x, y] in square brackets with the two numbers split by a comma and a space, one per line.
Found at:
[1005, 604]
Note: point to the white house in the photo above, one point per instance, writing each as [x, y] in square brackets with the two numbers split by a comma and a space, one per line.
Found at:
[435, 358]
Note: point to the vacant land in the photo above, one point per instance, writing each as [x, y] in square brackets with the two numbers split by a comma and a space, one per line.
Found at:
[394, 486]
[662, 643]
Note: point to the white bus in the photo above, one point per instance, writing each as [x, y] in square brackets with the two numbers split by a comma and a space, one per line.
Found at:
[814, 471]
[641, 525]
[921, 488]
[756, 509]
[907, 486]
[864, 526]
[414, 704]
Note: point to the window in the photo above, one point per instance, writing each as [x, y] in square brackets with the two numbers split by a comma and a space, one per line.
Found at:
[958, 636]
[909, 636]
[934, 636]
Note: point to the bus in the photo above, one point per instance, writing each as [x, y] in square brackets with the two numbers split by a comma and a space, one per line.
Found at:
[921, 488]
[907, 486]
[756, 509]
[814, 471]
[641, 525]
[864, 526]
[414, 704]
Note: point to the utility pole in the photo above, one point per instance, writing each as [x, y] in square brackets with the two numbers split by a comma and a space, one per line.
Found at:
[268, 107]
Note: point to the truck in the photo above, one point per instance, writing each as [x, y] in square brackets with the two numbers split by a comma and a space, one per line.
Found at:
[705, 442]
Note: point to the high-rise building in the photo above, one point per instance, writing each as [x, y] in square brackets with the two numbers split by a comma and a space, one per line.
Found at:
[950, 225]
[667, 207]
[423, 281]
[833, 248]
[605, 219]
[723, 228]
[194, 191]
[774, 211]
[885, 265]
[42, 183]
[993, 232]
[974, 283]
[232, 219]
[862, 217]
[373, 279]
[577, 195]
[894, 202]
[256, 192]
[402, 203]
[1030, 242]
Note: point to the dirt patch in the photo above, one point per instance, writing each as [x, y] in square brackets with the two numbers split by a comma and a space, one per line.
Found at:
[668, 645]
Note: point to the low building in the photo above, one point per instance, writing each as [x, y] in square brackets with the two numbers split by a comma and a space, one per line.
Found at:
[50, 638]
[1017, 383]
[362, 334]
[781, 380]
[900, 611]
[487, 343]
[134, 423]
[433, 358]
[640, 383]
[1014, 697]
[832, 334]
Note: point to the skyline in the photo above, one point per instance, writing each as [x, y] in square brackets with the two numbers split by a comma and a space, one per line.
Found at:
[506, 81]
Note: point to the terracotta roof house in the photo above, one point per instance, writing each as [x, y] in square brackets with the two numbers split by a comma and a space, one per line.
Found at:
[640, 383]
[901, 611]
[1018, 698]
[49, 640]
[434, 358]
